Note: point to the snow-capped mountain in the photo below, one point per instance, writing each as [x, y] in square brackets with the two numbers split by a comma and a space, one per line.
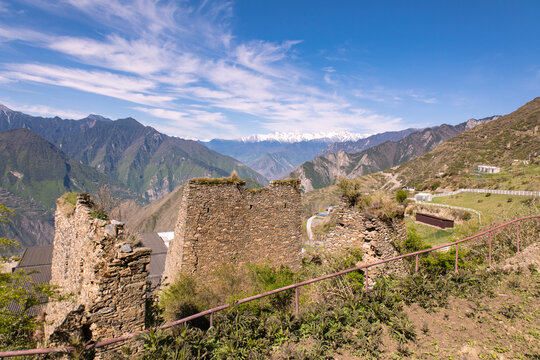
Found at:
[276, 155]
[328, 137]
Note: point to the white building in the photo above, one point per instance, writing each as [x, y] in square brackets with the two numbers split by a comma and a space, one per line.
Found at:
[488, 169]
[423, 197]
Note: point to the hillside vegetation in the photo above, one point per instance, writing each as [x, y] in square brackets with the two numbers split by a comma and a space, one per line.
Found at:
[33, 174]
[435, 313]
[515, 136]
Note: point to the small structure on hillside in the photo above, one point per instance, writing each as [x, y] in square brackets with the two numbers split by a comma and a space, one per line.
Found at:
[222, 221]
[486, 169]
[435, 221]
[423, 197]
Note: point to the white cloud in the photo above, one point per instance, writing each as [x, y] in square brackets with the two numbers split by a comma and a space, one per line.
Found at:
[328, 78]
[127, 88]
[160, 55]
[191, 123]
[46, 111]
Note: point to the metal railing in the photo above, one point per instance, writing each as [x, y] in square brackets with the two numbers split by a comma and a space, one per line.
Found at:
[296, 286]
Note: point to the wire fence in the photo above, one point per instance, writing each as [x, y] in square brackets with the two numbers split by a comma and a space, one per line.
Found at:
[365, 268]
[491, 191]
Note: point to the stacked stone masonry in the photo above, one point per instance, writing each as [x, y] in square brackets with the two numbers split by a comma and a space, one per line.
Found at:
[228, 223]
[376, 237]
[105, 277]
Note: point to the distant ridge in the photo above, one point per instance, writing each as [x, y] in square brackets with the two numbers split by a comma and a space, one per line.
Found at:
[332, 136]
[276, 155]
[34, 173]
[325, 170]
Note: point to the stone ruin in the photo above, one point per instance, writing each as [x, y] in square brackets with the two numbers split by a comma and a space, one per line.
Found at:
[103, 275]
[374, 235]
[219, 221]
[222, 221]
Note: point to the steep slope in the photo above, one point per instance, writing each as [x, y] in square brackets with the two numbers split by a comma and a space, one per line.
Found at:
[33, 174]
[146, 161]
[325, 170]
[159, 215]
[498, 143]
[32, 168]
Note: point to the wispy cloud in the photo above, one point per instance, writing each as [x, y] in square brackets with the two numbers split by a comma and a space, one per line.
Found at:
[385, 95]
[43, 110]
[181, 62]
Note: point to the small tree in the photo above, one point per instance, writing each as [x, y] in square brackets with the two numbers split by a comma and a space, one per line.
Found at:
[401, 196]
[350, 191]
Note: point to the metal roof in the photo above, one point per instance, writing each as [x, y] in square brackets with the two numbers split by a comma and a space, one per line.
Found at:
[155, 242]
[157, 258]
[36, 256]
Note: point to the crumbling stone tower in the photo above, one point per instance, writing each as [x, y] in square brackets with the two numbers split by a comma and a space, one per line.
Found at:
[221, 221]
[104, 275]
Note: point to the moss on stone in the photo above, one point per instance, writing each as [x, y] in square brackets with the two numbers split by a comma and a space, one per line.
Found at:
[295, 182]
[70, 197]
[217, 181]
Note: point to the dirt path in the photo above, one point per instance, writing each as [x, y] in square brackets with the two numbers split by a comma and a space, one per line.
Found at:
[391, 179]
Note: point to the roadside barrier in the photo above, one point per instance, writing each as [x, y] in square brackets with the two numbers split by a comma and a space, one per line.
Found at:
[296, 286]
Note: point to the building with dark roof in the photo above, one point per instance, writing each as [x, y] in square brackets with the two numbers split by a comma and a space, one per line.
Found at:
[36, 262]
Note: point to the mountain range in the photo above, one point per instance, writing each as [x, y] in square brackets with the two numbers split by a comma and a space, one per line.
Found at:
[146, 161]
[41, 158]
[33, 174]
[276, 155]
[325, 170]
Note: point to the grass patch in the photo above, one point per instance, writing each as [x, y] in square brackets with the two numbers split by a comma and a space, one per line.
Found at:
[430, 234]
[495, 208]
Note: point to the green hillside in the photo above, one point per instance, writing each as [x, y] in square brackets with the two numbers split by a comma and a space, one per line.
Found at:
[515, 136]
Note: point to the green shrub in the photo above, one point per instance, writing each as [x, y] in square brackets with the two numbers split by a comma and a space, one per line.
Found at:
[401, 196]
[435, 185]
[413, 242]
[350, 191]
[71, 198]
[183, 298]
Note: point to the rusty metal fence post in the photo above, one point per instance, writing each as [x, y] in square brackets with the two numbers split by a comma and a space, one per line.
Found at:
[416, 263]
[211, 319]
[489, 256]
[365, 279]
[457, 256]
[517, 236]
[296, 302]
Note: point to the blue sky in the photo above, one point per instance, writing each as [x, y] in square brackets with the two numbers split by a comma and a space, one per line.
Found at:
[227, 69]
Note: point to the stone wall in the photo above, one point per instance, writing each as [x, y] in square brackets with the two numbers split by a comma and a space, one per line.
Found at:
[225, 222]
[104, 275]
[375, 236]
